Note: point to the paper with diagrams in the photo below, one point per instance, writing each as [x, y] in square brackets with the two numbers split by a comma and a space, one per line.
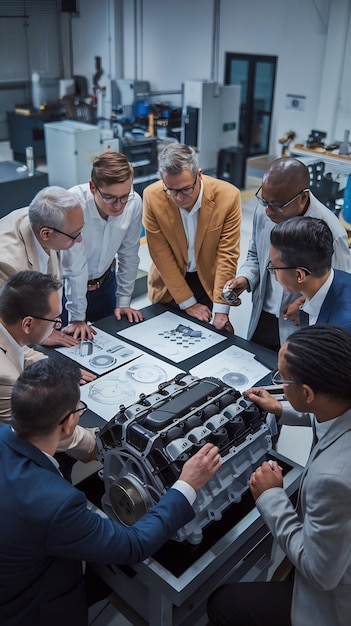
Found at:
[235, 366]
[172, 336]
[125, 384]
[104, 353]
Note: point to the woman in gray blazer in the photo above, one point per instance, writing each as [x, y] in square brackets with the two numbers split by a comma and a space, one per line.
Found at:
[315, 371]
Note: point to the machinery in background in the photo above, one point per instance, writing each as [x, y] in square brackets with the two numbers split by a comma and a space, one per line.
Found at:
[315, 139]
[70, 149]
[141, 152]
[211, 119]
[143, 449]
[133, 113]
[285, 142]
[323, 186]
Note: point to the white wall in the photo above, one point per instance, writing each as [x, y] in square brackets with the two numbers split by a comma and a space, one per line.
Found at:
[98, 31]
[311, 38]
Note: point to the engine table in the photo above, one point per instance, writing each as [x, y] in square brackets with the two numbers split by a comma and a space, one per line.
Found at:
[171, 587]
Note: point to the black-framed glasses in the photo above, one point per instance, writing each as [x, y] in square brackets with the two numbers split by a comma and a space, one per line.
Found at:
[186, 191]
[112, 199]
[272, 268]
[73, 237]
[279, 208]
[57, 321]
[278, 380]
[81, 409]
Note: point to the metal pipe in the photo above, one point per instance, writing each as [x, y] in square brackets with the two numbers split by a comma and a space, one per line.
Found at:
[215, 42]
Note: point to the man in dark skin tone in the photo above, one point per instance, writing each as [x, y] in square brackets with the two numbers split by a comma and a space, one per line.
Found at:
[284, 193]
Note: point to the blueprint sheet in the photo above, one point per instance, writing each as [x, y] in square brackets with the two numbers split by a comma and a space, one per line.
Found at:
[103, 353]
[235, 366]
[172, 336]
[124, 384]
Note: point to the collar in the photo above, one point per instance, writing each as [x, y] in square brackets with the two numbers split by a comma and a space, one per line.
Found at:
[197, 204]
[323, 427]
[53, 460]
[313, 306]
[43, 257]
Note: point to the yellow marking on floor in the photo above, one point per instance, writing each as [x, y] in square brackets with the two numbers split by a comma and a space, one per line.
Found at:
[247, 194]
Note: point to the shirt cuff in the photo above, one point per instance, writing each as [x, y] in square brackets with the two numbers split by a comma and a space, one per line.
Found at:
[220, 308]
[188, 492]
[185, 305]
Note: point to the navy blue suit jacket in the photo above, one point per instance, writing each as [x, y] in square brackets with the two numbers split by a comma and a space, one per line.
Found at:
[46, 531]
[336, 308]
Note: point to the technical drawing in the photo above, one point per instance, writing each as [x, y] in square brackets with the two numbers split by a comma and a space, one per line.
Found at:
[235, 366]
[125, 384]
[102, 353]
[116, 391]
[167, 334]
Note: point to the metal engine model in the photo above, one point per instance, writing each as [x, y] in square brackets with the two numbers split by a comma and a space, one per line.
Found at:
[143, 449]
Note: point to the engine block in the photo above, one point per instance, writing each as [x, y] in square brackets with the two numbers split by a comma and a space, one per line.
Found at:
[143, 449]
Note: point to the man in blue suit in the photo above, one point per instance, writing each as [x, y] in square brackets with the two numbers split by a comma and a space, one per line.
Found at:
[46, 529]
[301, 260]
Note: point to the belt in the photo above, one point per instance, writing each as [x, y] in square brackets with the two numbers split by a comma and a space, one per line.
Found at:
[96, 283]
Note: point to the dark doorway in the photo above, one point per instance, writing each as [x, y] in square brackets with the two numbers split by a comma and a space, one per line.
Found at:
[256, 76]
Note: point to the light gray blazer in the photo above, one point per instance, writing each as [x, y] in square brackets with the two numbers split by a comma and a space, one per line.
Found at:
[316, 537]
[254, 268]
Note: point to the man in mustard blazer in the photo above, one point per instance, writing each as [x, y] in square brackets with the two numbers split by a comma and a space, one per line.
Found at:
[192, 225]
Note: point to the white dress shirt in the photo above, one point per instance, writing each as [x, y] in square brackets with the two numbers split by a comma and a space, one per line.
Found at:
[102, 240]
[190, 221]
[313, 306]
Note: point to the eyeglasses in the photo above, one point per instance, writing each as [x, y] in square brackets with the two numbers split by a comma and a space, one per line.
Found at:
[272, 268]
[113, 199]
[278, 380]
[73, 237]
[186, 191]
[81, 409]
[57, 321]
[279, 208]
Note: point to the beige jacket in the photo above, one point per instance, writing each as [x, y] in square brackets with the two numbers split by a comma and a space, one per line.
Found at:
[82, 443]
[17, 246]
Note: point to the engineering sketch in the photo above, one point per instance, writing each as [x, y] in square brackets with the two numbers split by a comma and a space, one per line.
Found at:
[168, 335]
[123, 385]
[102, 353]
[235, 366]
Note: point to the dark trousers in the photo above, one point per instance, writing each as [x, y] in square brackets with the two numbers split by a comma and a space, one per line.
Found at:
[101, 302]
[267, 332]
[251, 604]
[196, 287]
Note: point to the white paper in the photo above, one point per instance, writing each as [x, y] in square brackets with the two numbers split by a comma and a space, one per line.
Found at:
[235, 366]
[172, 336]
[103, 353]
[124, 385]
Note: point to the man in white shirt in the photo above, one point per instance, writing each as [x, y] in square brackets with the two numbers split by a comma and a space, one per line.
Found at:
[112, 226]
